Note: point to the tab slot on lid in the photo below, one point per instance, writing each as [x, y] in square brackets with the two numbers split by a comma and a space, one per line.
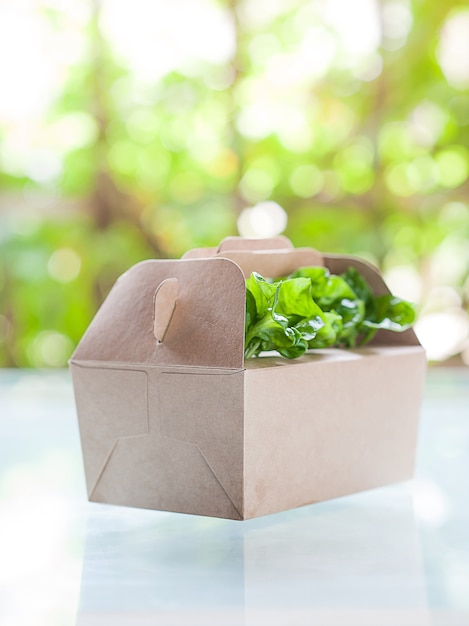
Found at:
[164, 303]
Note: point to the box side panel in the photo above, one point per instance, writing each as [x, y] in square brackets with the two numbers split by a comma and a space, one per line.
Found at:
[207, 410]
[167, 439]
[111, 404]
[329, 427]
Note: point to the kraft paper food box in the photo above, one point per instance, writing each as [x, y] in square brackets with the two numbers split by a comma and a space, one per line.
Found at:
[172, 418]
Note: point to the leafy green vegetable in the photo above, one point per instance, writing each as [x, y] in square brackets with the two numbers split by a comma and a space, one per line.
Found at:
[313, 308]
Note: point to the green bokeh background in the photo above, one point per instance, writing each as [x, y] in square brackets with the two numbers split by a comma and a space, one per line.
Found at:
[368, 154]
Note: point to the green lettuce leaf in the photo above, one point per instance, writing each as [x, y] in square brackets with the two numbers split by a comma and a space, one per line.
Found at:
[313, 308]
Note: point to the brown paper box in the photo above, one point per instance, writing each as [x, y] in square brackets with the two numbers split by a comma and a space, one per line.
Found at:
[171, 418]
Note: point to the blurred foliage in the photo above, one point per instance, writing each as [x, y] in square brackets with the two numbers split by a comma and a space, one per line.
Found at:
[359, 129]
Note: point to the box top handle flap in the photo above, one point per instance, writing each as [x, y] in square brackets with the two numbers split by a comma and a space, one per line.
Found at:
[195, 307]
[245, 243]
[274, 264]
[229, 244]
[272, 257]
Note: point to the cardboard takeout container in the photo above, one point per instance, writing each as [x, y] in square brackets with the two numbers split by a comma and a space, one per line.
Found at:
[172, 418]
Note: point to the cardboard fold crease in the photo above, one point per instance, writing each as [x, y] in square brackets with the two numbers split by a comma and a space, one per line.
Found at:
[171, 418]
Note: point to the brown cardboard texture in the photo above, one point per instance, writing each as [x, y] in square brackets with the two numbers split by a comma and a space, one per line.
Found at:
[171, 418]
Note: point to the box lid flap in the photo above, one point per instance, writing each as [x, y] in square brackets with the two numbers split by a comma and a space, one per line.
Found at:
[197, 321]
[338, 263]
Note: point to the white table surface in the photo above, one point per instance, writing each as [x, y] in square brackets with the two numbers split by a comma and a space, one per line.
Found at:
[396, 556]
